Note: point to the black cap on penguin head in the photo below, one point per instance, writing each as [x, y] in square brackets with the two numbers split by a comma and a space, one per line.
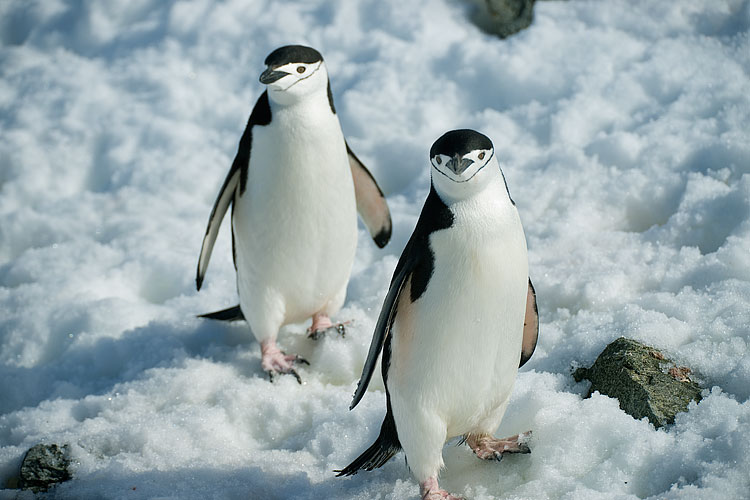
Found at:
[459, 142]
[292, 54]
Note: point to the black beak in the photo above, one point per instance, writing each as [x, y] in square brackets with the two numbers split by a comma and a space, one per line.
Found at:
[458, 164]
[270, 75]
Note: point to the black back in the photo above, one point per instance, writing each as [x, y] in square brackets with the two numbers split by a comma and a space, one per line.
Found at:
[435, 216]
[261, 115]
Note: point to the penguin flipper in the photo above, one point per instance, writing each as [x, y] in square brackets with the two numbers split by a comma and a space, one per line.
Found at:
[530, 326]
[385, 321]
[382, 450]
[371, 203]
[417, 262]
[233, 313]
[235, 182]
[226, 196]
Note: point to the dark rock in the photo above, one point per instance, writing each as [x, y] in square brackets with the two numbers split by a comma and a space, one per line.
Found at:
[503, 17]
[644, 382]
[43, 466]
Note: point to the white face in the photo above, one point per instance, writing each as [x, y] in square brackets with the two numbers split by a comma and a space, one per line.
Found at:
[460, 177]
[462, 169]
[298, 79]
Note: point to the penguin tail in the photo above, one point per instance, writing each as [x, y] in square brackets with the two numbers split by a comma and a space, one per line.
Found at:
[382, 450]
[229, 314]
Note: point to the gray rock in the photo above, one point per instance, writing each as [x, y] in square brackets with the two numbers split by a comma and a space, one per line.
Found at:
[503, 17]
[43, 466]
[644, 382]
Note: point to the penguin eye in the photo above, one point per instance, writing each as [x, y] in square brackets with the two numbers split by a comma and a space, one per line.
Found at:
[301, 69]
[438, 160]
[481, 155]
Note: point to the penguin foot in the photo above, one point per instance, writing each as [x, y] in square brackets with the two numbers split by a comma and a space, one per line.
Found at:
[339, 328]
[274, 361]
[322, 324]
[487, 447]
[429, 490]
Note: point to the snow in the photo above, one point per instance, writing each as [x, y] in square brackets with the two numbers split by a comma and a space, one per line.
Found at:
[622, 129]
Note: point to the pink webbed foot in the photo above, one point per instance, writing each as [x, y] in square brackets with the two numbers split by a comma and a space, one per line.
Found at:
[490, 448]
[321, 324]
[275, 361]
[430, 490]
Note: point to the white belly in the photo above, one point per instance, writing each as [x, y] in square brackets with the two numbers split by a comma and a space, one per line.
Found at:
[456, 350]
[295, 226]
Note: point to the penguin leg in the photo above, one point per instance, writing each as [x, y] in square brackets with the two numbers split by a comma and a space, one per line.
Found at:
[487, 447]
[321, 321]
[274, 360]
[265, 314]
[422, 434]
[429, 490]
[321, 324]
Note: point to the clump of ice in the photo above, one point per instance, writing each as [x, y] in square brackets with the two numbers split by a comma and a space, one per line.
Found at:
[621, 128]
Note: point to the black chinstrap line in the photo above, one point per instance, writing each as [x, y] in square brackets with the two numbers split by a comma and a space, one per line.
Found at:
[472, 175]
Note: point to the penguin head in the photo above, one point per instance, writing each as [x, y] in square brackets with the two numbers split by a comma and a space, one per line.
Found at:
[463, 163]
[293, 72]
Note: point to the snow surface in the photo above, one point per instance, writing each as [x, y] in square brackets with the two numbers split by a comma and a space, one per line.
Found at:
[623, 131]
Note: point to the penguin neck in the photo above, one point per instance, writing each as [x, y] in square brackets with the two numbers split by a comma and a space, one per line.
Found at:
[485, 215]
[315, 103]
[489, 181]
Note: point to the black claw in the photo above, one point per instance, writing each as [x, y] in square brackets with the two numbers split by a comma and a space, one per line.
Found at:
[523, 448]
[315, 335]
[302, 360]
[272, 373]
[340, 329]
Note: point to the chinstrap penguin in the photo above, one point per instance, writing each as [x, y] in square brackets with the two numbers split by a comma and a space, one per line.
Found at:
[458, 320]
[295, 187]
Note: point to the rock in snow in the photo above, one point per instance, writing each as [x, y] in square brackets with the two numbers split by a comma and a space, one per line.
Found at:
[43, 466]
[646, 383]
[504, 17]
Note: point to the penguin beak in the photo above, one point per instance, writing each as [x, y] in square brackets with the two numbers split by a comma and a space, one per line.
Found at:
[271, 75]
[458, 164]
